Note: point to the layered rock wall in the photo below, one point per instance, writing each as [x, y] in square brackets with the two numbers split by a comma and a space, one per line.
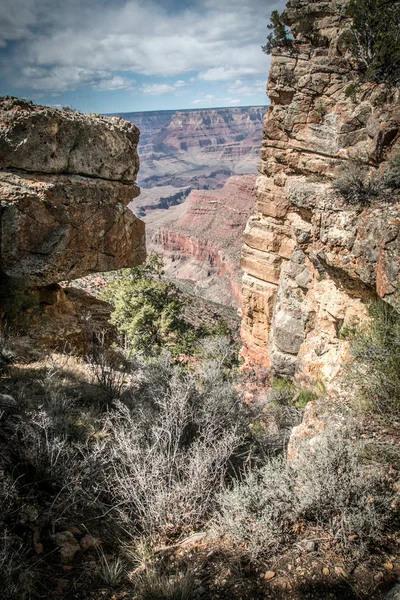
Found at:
[310, 259]
[204, 244]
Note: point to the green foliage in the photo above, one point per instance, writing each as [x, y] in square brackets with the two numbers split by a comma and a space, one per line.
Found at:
[352, 90]
[356, 186]
[392, 175]
[279, 38]
[149, 311]
[374, 39]
[374, 368]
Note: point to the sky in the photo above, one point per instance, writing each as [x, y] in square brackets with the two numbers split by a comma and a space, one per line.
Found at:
[108, 56]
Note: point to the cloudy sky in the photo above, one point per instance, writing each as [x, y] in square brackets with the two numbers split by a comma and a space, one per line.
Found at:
[131, 55]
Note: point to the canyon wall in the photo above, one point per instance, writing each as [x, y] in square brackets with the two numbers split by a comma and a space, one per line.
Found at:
[310, 259]
[204, 243]
[198, 148]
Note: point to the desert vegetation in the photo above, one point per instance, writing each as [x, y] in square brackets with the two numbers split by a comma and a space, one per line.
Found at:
[358, 186]
[137, 472]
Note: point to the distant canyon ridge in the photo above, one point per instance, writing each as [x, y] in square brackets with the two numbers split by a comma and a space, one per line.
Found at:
[197, 176]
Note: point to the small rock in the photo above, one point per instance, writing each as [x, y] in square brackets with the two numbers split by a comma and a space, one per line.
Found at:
[341, 572]
[62, 584]
[325, 571]
[310, 546]
[269, 575]
[7, 403]
[378, 577]
[88, 542]
[352, 538]
[69, 546]
[388, 566]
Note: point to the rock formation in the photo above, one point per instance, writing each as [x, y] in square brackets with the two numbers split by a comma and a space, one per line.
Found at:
[65, 182]
[310, 259]
[204, 243]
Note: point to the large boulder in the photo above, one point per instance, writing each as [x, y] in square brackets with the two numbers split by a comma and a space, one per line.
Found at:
[65, 182]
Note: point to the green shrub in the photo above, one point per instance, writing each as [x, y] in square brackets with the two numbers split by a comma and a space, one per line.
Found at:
[374, 367]
[280, 37]
[148, 310]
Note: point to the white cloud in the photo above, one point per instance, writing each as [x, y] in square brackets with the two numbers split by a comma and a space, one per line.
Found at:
[115, 83]
[205, 100]
[248, 89]
[226, 73]
[158, 89]
[61, 79]
[61, 45]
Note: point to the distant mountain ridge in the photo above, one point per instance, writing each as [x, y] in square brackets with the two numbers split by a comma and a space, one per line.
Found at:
[178, 147]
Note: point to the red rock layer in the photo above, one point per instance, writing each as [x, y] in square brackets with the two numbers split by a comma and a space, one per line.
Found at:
[211, 232]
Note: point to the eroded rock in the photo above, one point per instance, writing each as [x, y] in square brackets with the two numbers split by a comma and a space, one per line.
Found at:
[65, 182]
[319, 259]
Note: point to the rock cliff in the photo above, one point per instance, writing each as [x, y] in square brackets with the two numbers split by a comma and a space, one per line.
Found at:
[310, 259]
[65, 182]
[197, 148]
[204, 243]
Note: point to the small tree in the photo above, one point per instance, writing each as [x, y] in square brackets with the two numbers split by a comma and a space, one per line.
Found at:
[148, 310]
[374, 39]
[279, 37]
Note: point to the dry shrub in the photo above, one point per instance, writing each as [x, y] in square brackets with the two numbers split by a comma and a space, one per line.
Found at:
[158, 586]
[328, 485]
[356, 186]
[168, 451]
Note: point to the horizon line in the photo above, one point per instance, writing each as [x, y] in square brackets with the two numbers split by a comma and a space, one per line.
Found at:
[166, 110]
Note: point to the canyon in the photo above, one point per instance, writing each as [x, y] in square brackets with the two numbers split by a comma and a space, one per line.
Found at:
[203, 240]
[197, 169]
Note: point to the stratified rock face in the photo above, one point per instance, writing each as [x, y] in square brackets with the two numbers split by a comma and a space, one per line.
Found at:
[204, 244]
[65, 182]
[197, 148]
[310, 260]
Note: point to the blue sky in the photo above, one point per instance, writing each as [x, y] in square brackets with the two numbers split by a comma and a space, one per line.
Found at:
[133, 55]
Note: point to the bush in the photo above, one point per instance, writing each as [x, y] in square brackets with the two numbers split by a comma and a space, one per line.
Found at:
[374, 39]
[159, 586]
[169, 450]
[374, 367]
[355, 186]
[392, 175]
[257, 513]
[327, 485]
[148, 311]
